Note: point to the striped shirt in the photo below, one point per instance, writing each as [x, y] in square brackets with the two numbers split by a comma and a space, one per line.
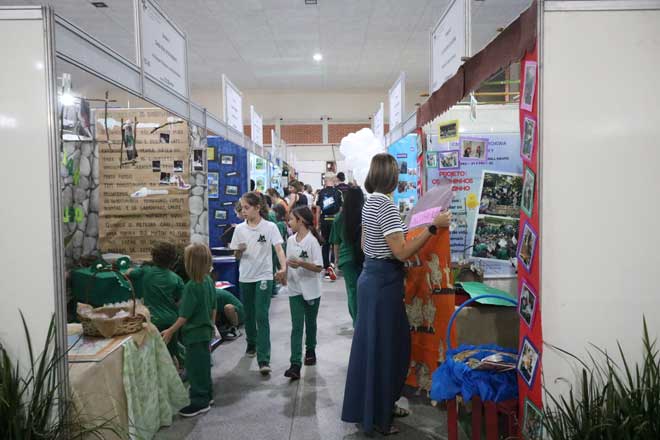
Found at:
[380, 218]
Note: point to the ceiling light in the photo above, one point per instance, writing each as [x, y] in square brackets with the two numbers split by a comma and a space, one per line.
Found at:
[67, 99]
[318, 57]
[311, 2]
[99, 5]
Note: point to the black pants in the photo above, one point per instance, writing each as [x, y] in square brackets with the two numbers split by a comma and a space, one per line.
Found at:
[326, 228]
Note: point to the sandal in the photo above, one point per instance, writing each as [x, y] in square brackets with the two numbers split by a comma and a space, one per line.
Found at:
[400, 411]
[391, 431]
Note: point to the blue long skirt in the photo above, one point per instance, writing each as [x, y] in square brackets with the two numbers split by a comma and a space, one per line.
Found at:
[380, 353]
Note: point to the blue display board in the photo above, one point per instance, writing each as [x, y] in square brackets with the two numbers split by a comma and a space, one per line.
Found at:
[405, 152]
[227, 179]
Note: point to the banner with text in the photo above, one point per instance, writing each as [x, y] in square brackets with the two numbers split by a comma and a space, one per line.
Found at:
[233, 105]
[486, 175]
[397, 101]
[257, 127]
[449, 43]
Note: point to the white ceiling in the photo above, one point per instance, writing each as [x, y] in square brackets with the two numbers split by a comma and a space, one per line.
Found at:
[268, 44]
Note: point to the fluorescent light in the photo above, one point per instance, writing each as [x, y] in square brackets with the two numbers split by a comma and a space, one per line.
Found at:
[318, 57]
[67, 99]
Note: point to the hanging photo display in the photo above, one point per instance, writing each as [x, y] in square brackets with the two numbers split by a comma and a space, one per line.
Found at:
[214, 184]
[527, 304]
[532, 428]
[529, 86]
[448, 131]
[527, 202]
[528, 137]
[487, 196]
[528, 360]
[405, 151]
[198, 160]
[527, 246]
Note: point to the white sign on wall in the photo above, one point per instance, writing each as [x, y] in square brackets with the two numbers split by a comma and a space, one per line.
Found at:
[257, 127]
[449, 43]
[397, 98]
[232, 104]
[163, 48]
[379, 123]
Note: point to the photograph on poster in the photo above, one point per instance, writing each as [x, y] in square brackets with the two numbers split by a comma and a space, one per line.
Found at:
[448, 160]
[528, 360]
[529, 131]
[178, 166]
[210, 153]
[231, 190]
[164, 138]
[474, 149]
[527, 246]
[198, 160]
[431, 159]
[405, 205]
[527, 304]
[165, 178]
[527, 202]
[448, 131]
[221, 214]
[500, 194]
[227, 159]
[259, 164]
[495, 237]
[403, 167]
[529, 86]
[155, 165]
[532, 428]
[214, 185]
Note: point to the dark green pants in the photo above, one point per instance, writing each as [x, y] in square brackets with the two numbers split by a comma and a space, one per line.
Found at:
[198, 369]
[256, 302]
[351, 272]
[303, 316]
[174, 345]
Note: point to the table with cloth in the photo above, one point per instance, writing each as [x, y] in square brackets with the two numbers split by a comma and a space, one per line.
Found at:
[136, 386]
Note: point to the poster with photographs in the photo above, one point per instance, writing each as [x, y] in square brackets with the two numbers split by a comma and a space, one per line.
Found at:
[449, 160]
[528, 361]
[528, 138]
[231, 190]
[448, 131]
[198, 160]
[495, 237]
[529, 86]
[474, 149]
[527, 202]
[431, 159]
[221, 214]
[527, 246]
[214, 185]
[500, 194]
[532, 428]
[227, 159]
[527, 304]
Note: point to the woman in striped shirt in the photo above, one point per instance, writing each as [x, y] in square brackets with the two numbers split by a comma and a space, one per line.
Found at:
[380, 351]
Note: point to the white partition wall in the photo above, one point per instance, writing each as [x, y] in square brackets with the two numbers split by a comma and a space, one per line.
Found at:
[600, 140]
[29, 226]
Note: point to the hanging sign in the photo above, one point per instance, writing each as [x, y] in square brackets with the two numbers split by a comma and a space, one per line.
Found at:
[379, 123]
[449, 43]
[397, 100]
[163, 48]
[232, 104]
[257, 132]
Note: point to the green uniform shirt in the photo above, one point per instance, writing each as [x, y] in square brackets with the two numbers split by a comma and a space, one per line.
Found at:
[161, 290]
[225, 298]
[197, 305]
[346, 254]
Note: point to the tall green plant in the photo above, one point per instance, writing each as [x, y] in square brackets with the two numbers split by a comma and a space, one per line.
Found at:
[615, 401]
[31, 406]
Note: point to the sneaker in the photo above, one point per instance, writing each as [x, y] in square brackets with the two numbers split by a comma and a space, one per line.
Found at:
[310, 357]
[326, 276]
[192, 410]
[293, 372]
[331, 273]
[264, 368]
[251, 351]
[211, 402]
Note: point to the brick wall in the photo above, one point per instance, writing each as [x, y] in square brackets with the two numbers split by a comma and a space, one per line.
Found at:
[247, 129]
[305, 134]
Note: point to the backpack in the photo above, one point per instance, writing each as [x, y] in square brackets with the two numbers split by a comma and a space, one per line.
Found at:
[329, 201]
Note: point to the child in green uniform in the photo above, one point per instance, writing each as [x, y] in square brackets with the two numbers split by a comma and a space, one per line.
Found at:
[346, 236]
[197, 323]
[279, 218]
[253, 242]
[161, 290]
[305, 263]
[230, 311]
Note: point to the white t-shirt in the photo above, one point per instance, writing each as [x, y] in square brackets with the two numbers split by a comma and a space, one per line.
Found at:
[310, 199]
[257, 260]
[302, 281]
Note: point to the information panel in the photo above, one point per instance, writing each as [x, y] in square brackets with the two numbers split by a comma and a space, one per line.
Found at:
[257, 131]
[163, 48]
[397, 103]
[233, 105]
[379, 123]
[449, 43]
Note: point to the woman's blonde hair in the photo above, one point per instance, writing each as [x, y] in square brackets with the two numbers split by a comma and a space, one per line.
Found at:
[198, 261]
[383, 174]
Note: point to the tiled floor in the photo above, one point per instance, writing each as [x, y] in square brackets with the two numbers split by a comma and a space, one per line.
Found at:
[249, 406]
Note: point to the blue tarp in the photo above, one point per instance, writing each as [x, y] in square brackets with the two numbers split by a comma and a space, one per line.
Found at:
[456, 377]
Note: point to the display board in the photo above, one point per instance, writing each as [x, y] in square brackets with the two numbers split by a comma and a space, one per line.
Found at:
[486, 174]
[232, 105]
[450, 42]
[379, 123]
[155, 156]
[405, 151]
[257, 127]
[259, 172]
[397, 101]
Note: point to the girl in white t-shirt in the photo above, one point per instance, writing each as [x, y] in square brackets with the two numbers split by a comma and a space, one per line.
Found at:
[253, 243]
[305, 263]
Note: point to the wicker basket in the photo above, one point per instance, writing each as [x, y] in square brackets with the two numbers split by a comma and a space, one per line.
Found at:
[107, 328]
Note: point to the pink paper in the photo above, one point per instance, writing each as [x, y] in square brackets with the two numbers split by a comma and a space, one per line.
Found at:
[424, 217]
